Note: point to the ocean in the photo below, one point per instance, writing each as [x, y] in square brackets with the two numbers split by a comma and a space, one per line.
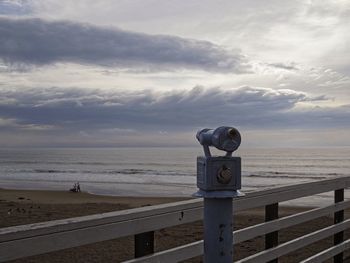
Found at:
[162, 171]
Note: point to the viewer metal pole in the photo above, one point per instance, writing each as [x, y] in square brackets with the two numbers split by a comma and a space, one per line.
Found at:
[218, 228]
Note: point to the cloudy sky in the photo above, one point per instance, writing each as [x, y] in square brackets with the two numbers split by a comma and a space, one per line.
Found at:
[152, 72]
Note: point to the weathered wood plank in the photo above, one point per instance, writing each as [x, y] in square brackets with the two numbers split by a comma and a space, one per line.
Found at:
[281, 194]
[38, 244]
[261, 229]
[295, 244]
[192, 209]
[174, 254]
[328, 253]
[245, 234]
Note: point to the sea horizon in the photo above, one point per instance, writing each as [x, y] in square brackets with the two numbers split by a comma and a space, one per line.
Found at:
[161, 171]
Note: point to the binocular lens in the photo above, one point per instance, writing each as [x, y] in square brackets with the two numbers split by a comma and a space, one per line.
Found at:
[232, 133]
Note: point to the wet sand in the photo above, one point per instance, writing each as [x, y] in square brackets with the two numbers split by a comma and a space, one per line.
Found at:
[26, 206]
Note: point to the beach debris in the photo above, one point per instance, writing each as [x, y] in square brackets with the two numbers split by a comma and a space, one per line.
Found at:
[75, 188]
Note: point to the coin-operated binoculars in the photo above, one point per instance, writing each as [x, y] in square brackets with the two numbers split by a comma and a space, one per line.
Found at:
[219, 181]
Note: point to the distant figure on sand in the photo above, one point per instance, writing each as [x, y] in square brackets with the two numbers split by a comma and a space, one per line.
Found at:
[75, 188]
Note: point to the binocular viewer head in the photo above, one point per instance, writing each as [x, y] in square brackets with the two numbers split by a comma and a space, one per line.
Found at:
[219, 176]
[224, 138]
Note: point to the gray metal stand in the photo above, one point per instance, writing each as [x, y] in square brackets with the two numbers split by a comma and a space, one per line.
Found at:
[218, 227]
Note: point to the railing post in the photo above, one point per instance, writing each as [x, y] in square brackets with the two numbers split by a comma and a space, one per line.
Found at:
[338, 217]
[271, 239]
[144, 244]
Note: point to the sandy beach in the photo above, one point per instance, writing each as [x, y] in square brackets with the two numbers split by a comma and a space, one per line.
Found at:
[29, 206]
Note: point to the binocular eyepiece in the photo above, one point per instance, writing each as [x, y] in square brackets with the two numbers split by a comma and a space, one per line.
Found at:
[224, 138]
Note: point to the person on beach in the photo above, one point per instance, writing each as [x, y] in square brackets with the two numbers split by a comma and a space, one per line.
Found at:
[75, 188]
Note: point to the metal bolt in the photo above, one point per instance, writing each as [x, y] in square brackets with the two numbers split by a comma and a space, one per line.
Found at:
[224, 175]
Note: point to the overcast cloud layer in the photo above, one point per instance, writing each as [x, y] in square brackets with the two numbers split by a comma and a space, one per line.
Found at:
[152, 72]
[175, 110]
[39, 42]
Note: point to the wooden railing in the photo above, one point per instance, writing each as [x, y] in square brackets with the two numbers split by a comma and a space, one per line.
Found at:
[33, 239]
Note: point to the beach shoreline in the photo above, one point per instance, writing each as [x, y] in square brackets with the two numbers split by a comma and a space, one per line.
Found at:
[67, 197]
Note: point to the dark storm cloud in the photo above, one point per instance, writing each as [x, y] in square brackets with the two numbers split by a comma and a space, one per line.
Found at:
[40, 42]
[76, 109]
[291, 66]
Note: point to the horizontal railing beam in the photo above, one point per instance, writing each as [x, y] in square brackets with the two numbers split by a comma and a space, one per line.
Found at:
[38, 244]
[286, 193]
[287, 221]
[328, 253]
[295, 244]
[176, 254]
[172, 214]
